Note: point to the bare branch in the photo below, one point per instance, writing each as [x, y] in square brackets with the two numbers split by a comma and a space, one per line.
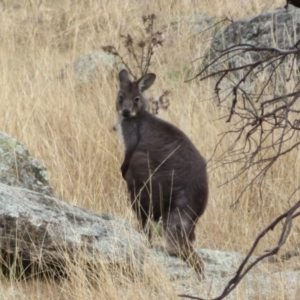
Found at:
[243, 269]
[263, 127]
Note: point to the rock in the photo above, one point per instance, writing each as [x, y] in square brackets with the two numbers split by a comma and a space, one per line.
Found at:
[218, 264]
[19, 168]
[51, 233]
[88, 67]
[220, 267]
[277, 28]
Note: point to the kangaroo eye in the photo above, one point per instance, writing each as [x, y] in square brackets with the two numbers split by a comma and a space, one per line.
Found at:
[121, 98]
[136, 99]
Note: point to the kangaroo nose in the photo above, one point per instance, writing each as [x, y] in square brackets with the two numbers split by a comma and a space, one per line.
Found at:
[126, 112]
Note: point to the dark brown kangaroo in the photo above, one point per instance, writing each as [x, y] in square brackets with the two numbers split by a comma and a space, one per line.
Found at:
[165, 174]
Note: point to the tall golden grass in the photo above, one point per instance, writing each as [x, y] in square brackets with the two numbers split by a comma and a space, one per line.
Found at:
[70, 130]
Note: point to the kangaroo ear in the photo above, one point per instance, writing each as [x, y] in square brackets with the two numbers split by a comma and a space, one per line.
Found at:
[123, 76]
[146, 81]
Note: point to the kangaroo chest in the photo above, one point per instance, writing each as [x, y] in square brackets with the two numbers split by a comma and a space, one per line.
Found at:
[128, 131]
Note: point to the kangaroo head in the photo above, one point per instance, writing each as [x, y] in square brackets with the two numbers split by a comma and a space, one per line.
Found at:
[131, 101]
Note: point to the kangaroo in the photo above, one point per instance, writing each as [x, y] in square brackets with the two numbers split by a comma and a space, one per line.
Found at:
[165, 173]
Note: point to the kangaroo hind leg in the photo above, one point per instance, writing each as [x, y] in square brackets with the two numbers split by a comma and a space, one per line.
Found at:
[179, 234]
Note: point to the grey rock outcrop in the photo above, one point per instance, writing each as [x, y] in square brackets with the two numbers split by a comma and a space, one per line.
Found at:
[47, 231]
[19, 168]
[220, 267]
[51, 233]
[88, 67]
[277, 28]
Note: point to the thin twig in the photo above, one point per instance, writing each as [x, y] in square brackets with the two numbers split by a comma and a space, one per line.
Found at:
[242, 270]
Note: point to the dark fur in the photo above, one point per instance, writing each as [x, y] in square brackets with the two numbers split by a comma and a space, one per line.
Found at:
[165, 173]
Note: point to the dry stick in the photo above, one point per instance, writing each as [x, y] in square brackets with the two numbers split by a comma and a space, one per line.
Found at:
[252, 114]
[270, 77]
[240, 274]
[263, 172]
[279, 114]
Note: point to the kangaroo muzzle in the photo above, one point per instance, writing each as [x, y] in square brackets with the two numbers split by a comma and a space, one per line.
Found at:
[126, 112]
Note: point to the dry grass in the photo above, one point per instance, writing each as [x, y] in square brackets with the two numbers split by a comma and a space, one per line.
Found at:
[62, 127]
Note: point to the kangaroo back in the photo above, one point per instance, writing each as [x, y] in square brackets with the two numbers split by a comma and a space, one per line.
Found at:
[165, 173]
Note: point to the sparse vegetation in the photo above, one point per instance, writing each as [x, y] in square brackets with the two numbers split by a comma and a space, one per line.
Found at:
[82, 153]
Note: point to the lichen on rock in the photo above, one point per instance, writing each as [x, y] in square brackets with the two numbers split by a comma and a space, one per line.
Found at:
[18, 168]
